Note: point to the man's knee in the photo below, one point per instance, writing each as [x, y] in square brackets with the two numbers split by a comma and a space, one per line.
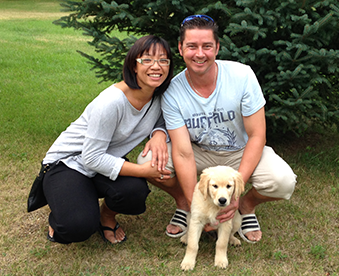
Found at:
[169, 166]
[281, 185]
[286, 184]
[143, 159]
[275, 178]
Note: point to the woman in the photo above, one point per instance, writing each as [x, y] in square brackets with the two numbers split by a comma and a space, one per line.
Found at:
[91, 151]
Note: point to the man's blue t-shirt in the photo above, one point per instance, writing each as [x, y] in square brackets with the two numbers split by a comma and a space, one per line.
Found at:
[215, 123]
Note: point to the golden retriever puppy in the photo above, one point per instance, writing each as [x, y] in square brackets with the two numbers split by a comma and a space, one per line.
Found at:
[213, 193]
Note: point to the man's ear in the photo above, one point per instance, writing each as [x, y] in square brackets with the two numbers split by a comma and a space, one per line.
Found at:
[180, 48]
[217, 49]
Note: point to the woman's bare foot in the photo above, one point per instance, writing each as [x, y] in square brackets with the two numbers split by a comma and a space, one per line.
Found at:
[50, 231]
[50, 234]
[107, 219]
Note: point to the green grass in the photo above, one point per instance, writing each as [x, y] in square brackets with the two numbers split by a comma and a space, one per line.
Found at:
[30, 6]
[45, 85]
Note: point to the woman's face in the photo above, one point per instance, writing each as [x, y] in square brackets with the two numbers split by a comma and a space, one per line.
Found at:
[152, 76]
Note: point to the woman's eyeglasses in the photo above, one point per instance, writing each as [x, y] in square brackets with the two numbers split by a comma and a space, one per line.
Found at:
[151, 61]
[205, 17]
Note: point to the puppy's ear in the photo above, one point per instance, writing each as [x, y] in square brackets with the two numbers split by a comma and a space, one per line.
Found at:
[203, 184]
[239, 185]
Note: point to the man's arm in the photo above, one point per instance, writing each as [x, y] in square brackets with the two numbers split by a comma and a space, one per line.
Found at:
[255, 126]
[183, 160]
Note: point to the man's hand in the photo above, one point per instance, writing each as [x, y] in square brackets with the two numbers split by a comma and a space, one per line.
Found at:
[229, 212]
[224, 215]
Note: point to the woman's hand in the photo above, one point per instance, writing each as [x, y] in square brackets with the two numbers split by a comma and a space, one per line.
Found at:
[157, 144]
[151, 173]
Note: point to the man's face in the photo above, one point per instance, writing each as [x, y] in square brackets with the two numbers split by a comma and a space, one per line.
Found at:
[199, 50]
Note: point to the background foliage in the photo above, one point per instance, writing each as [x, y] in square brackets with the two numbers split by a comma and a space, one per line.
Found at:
[291, 45]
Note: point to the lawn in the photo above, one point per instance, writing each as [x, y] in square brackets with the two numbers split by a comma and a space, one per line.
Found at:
[45, 85]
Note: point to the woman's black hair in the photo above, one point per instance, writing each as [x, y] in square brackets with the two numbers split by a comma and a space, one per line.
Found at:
[142, 45]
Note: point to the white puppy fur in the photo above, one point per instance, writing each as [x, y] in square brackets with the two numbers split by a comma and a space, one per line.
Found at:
[211, 195]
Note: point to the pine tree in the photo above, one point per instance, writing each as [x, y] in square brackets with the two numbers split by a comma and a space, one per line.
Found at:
[292, 46]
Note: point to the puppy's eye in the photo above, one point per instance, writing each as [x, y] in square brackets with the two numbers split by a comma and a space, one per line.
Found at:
[228, 186]
[215, 186]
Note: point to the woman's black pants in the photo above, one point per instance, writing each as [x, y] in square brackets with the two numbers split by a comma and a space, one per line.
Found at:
[73, 200]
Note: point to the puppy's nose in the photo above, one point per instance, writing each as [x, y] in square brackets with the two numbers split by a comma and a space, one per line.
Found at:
[222, 200]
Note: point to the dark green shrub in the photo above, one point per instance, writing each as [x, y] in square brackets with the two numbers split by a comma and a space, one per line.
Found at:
[292, 47]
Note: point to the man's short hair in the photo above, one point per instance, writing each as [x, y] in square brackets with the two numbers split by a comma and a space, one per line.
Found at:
[199, 21]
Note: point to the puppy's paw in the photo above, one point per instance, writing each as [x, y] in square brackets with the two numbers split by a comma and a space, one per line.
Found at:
[221, 262]
[187, 265]
[234, 241]
[183, 239]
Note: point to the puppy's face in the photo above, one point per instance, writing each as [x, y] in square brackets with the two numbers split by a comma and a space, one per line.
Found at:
[220, 183]
[221, 191]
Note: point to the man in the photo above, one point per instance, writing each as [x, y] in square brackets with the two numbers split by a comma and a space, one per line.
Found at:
[214, 113]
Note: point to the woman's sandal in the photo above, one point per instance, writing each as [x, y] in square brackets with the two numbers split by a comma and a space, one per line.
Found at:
[50, 238]
[104, 228]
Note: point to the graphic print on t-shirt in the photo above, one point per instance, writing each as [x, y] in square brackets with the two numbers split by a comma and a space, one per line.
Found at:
[212, 130]
[219, 139]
